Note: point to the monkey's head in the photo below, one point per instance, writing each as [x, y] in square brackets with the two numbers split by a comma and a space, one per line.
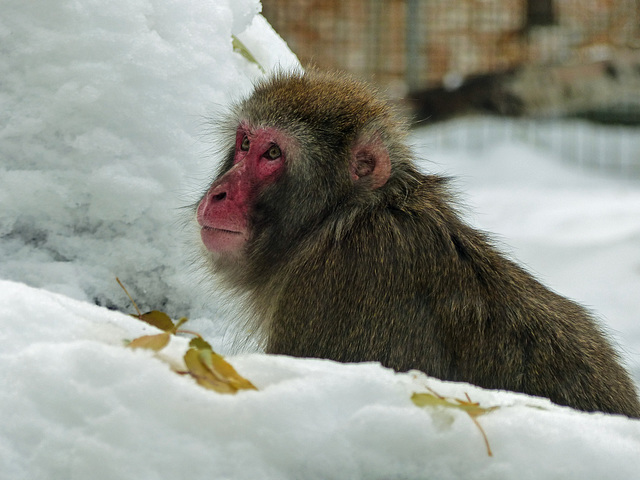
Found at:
[304, 149]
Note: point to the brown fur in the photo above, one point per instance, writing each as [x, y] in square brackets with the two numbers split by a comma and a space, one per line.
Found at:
[337, 269]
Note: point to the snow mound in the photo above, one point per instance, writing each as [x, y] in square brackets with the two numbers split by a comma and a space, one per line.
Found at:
[77, 403]
[103, 125]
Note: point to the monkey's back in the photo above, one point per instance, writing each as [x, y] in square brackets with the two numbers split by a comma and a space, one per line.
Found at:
[416, 288]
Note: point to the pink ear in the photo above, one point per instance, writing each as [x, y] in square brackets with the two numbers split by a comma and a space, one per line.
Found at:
[370, 160]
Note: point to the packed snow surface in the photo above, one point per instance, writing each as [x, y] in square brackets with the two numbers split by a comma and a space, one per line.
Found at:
[106, 114]
[76, 403]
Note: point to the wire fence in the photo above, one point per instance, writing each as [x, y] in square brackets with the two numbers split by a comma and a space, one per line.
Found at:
[543, 58]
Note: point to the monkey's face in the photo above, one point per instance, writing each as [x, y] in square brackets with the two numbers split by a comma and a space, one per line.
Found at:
[302, 148]
[223, 214]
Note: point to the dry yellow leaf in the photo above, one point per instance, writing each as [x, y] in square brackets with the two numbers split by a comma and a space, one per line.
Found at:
[158, 319]
[473, 409]
[213, 372]
[151, 342]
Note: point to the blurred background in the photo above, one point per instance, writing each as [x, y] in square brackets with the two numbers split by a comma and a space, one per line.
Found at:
[509, 68]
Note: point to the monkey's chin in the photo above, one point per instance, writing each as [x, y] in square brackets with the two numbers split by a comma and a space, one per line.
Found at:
[224, 242]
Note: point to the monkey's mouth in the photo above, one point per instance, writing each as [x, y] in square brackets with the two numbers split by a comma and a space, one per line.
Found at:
[221, 240]
[214, 229]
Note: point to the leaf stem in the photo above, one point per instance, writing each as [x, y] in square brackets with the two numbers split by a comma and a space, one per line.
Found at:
[130, 297]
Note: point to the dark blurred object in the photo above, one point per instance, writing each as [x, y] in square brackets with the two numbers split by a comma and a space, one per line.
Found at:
[605, 92]
[479, 94]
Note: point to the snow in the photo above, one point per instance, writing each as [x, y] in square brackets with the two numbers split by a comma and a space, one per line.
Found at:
[77, 404]
[105, 109]
[105, 113]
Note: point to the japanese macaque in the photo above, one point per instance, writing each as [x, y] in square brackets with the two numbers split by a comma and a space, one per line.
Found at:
[344, 250]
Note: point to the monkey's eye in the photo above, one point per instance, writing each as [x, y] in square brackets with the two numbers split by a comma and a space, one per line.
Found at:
[244, 146]
[273, 153]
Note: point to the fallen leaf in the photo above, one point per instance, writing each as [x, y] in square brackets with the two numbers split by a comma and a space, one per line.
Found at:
[158, 319]
[473, 409]
[200, 343]
[151, 342]
[208, 368]
[434, 400]
[203, 375]
[212, 371]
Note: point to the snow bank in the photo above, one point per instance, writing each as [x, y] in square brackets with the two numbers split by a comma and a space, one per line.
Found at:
[103, 137]
[77, 404]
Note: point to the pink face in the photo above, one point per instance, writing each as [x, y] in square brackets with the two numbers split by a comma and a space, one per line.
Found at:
[223, 213]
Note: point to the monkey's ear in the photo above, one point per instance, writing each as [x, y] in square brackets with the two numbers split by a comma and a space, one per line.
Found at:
[370, 160]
